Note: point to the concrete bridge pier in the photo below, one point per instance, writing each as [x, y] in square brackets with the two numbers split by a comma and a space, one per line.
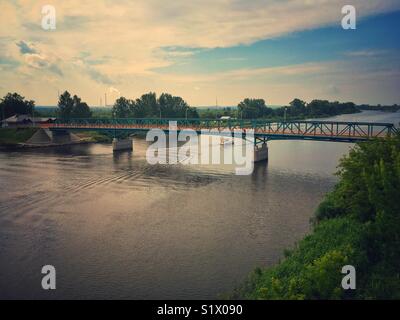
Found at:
[260, 152]
[61, 137]
[122, 144]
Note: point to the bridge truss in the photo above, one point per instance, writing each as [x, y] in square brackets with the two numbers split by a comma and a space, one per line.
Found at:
[263, 130]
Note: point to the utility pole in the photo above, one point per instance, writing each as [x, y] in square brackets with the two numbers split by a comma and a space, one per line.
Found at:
[186, 112]
[33, 116]
[115, 124]
[3, 123]
[284, 115]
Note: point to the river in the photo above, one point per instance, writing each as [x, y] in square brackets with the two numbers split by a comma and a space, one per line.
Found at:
[116, 227]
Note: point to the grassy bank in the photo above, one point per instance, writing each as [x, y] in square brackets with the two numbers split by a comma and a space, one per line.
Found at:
[13, 136]
[357, 224]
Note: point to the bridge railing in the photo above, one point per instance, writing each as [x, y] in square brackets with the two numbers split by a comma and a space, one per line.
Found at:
[364, 130]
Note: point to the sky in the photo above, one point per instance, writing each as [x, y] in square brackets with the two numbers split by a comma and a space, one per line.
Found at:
[202, 50]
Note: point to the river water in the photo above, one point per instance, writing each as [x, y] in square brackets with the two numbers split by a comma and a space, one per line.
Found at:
[115, 226]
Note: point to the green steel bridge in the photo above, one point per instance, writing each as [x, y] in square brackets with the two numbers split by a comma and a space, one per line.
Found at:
[339, 131]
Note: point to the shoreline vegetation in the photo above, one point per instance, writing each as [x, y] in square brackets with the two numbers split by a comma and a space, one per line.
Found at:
[358, 224]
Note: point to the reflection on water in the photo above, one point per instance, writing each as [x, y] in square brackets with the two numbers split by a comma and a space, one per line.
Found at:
[117, 227]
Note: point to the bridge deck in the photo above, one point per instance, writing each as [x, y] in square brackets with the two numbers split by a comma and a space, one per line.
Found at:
[310, 130]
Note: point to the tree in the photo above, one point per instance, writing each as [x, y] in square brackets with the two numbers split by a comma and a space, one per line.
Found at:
[123, 108]
[253, 108]
[72, 107]
[65, 105]
[297, 106]
[80, 109]
[147, 106]
[175, 107]
[13, 103]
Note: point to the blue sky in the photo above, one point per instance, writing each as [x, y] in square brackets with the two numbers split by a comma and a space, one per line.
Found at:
[375, 35]
[202, 50]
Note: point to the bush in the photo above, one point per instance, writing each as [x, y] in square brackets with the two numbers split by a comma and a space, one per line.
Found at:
[358, 223]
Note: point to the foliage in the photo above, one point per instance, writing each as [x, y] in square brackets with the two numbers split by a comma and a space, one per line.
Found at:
[13, 103]
[358, 223]
[392, 108]
[253, 108]
[149, 106]
[297, 109]
[11, 136]
[72, 107]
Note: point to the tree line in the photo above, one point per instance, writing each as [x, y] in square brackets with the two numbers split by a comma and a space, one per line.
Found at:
[169, 106]
[256, 108]
[13, 103]
[149, 106]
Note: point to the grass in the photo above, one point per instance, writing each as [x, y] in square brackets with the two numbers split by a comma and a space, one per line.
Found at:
[12, 136]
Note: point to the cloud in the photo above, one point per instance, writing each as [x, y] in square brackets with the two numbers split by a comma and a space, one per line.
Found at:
[38, 61]
[365, 53]
[77, 22]
[252, 73]
[86, 64]
[98, 76]
[114, 90]
[8, 62]
[26, 47]
[126, 40]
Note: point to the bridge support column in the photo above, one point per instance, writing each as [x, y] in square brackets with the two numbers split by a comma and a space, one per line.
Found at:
[122, 144]
[260, 150]
[61, 137]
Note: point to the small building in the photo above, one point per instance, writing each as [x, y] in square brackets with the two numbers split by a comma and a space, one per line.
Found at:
[24, 120]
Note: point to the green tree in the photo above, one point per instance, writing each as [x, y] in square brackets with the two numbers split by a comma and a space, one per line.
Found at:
[146, 106]
[297, 107]
[65, 105]
[72, 107]
[253, 108]
[175, 107]
[13, 103]
[358, 223]
[123, 108]
[80, 109]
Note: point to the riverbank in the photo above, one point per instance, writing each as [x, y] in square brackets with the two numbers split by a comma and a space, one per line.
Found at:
[17, 138]
[357, 224]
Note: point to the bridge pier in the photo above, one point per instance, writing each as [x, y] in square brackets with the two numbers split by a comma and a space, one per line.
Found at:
[122, 144]
[61, 136]
[260, 152]
[260, 149]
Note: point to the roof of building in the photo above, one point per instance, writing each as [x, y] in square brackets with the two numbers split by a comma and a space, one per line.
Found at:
[18, 118]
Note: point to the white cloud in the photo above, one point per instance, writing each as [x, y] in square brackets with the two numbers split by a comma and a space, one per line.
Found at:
[365, 53]
[133, 33]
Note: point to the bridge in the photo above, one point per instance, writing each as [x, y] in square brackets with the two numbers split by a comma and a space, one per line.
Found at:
[264, 130]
